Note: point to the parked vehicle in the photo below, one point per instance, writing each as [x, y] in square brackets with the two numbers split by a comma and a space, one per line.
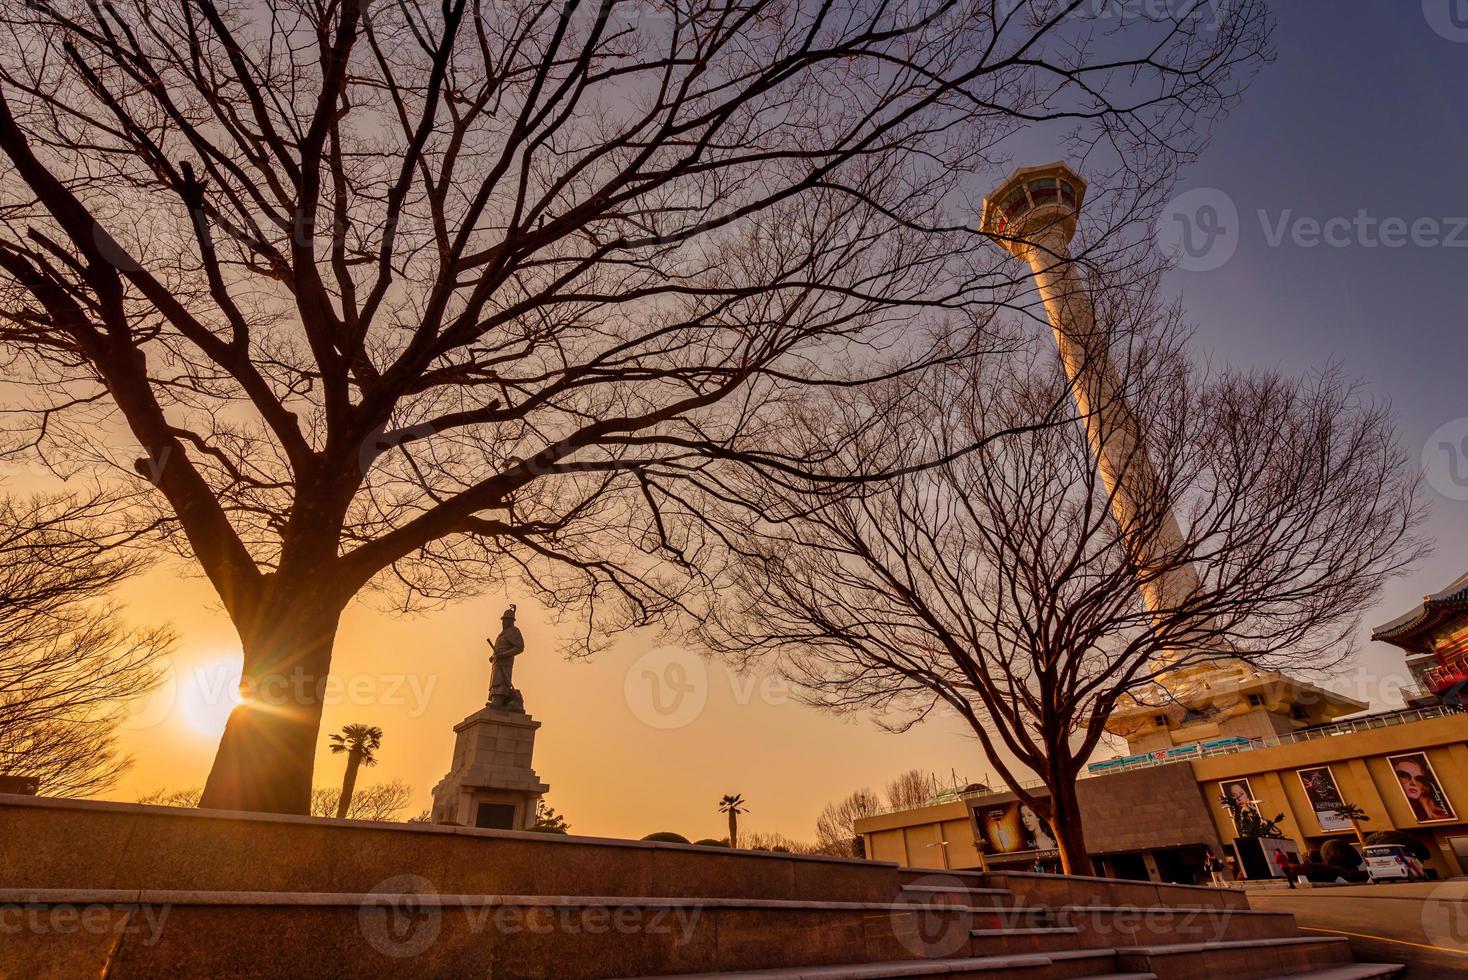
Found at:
[1391, 862]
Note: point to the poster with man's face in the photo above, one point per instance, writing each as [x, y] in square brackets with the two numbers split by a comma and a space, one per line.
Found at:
[1419, 784]
[1324, 796]
[1011, 828]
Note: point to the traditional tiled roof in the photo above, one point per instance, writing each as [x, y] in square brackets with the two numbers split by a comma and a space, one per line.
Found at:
[1409, 630]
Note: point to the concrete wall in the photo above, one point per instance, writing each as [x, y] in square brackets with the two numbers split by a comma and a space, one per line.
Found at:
[85, 844]
[1145, 810]
[1134, 811]
[905, 837]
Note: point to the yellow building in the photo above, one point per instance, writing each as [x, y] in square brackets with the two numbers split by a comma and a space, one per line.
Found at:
[1152, 815]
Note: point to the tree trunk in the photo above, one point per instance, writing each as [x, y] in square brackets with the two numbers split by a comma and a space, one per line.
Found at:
[733, 828]
[349, 784]
[1065, 823]
[265, 759]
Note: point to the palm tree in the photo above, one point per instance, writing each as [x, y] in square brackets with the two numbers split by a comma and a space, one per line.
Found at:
[733, 806]
[359, 742]
[1357, 816]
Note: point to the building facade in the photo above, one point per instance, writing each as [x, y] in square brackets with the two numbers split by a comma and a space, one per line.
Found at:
[1153, 816]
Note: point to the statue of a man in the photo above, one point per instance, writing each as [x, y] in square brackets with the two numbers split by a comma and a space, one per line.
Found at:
[507, 646]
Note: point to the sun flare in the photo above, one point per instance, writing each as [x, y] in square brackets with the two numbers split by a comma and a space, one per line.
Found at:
[209, 693]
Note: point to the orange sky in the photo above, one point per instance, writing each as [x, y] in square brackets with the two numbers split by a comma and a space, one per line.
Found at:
[618, 763]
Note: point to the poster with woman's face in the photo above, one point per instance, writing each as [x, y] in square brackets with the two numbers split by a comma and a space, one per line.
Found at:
[1241, 793]
[1420, 786]
[1012, 828]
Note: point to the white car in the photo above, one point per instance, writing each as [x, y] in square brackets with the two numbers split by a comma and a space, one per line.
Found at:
[1391, 862]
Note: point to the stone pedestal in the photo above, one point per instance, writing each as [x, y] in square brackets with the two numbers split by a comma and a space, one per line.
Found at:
[490, 782]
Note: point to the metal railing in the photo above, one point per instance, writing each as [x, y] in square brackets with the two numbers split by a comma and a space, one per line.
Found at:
[1453, 670]
[1404, 717]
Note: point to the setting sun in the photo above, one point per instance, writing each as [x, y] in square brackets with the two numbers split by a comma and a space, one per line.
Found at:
[208, 693]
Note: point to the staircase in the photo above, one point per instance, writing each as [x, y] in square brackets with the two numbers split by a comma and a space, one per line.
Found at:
[118, 890]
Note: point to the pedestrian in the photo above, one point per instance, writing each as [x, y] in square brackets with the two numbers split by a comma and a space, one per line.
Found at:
[1282, 861]
[1214, 867]
[1038, 867]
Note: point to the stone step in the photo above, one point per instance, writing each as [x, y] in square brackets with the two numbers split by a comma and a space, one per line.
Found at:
[1252, 959]
[1069, 964]
[1356, 971]
[1053, 889]
[146, 891]
[291, 934]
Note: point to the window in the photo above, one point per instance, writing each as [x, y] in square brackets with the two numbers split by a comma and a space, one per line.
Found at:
[1160, 721]
[1256, 700]
[1015, 204]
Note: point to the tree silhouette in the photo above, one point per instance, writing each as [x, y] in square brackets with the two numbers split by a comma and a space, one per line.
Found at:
[359, 742]
[420, 296]
[69, 668]
[376, 801]
[733, 806]
[999, 584]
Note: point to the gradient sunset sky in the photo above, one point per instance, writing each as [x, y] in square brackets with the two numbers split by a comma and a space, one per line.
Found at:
[1362, 111]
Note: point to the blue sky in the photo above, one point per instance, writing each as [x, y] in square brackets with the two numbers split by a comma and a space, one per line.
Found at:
[1365, 109]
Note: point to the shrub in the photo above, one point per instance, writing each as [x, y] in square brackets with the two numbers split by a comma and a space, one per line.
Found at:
[710, 842]
[667, 837]
[1341, 854]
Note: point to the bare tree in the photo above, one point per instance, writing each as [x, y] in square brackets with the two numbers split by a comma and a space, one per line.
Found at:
[424, 295]
[836, 826]
[68, 666]
[380, 801]
[1002, 585]
[773, 840]
[913, 788]
[173, 797]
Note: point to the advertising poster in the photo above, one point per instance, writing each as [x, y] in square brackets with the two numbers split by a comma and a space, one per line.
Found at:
[1420, 786]
[1012, 828]
[1241, 792]
[1324, 796]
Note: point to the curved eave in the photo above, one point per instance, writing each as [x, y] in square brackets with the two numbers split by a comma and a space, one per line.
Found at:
[1434, 611]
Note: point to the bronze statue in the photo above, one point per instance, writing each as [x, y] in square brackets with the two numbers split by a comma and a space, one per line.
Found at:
[507, 646]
